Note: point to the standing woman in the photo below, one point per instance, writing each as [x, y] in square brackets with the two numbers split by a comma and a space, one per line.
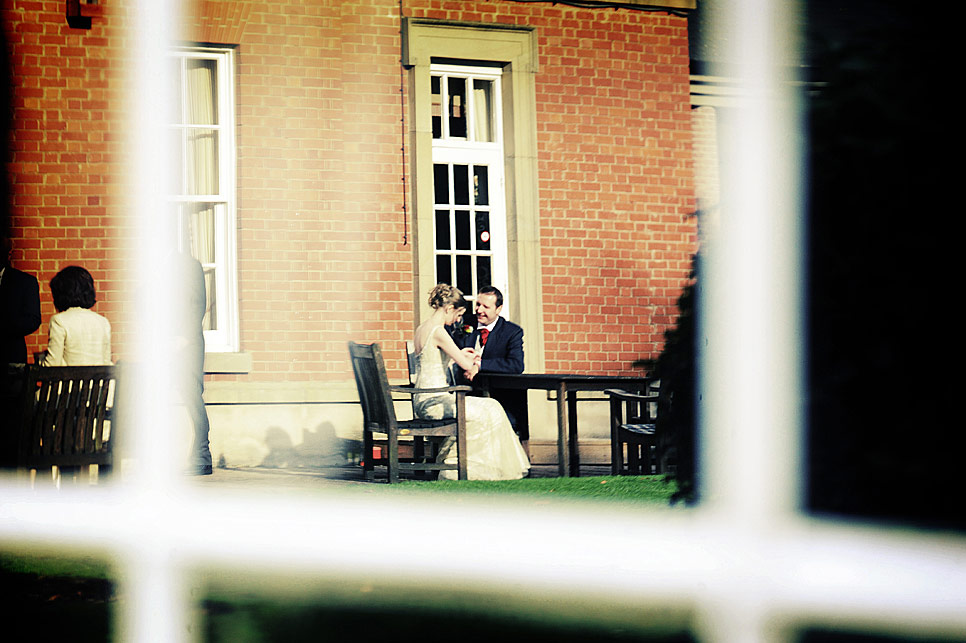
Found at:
[78, 335]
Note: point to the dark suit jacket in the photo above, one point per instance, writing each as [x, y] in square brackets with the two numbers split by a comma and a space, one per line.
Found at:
[19, 314]
[504, 354]
[504, 348]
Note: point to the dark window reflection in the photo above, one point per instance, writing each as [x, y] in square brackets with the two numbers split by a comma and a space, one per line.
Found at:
[457, 107]
[440, 183]
[461, 185]
[463, 230]
[444, 273]
[482, 230]
[464, 274]
[442, 230]
[481, 189]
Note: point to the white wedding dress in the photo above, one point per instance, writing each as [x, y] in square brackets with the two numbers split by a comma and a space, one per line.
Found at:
[493, 450]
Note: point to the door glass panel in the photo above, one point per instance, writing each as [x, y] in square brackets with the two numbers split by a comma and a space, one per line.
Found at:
[440, 183]
[442, 230]
[461, 185]
[444, 273]
[463, 235]
[482, 110]
[457, 107]
[464, 274]
[481, 189]
[482, 230]
[484, 276]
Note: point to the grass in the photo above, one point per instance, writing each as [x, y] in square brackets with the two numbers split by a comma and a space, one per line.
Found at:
[647, 490]
[56, 594]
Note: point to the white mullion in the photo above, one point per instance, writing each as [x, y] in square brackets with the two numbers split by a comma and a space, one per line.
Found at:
[470, 110]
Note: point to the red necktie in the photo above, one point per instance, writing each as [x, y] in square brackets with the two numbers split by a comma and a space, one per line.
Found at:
[484, 333]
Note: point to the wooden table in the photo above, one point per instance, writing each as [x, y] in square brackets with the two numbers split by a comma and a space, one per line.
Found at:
[567, 385]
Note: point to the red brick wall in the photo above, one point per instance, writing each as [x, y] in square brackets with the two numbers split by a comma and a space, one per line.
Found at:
[321, 230]
[65, 167]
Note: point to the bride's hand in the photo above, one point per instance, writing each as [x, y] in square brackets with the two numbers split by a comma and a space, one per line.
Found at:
[469, 352]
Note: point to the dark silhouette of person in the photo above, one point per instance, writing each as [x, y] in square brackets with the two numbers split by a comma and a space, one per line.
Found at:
[19, 317]
[19, 307]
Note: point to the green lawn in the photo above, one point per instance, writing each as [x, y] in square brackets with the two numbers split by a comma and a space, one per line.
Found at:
[648, 490]
[62, 597]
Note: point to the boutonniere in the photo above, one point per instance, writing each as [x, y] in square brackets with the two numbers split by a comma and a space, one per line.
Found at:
[465, 329]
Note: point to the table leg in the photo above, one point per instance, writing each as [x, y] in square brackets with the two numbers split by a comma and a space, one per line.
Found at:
[572, 441]
[563, 449]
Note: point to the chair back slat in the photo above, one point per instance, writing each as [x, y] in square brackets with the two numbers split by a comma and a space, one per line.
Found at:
[373, 385]
[66, 410]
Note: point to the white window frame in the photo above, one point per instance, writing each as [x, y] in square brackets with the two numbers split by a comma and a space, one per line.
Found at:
[466, 151]
[224, 337]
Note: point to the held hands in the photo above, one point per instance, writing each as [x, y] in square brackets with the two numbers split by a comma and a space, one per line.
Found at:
[477, 360]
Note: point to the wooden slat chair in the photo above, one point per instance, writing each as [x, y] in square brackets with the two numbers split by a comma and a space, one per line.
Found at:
[633, 425]
[379, 416]
[66, 420]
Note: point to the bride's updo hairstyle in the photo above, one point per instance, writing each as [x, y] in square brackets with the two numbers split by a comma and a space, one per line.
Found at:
[442, 295]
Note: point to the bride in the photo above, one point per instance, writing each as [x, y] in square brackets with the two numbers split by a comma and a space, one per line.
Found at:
[493, 450]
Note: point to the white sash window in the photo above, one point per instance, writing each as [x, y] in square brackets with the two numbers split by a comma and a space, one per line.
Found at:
[204, 190]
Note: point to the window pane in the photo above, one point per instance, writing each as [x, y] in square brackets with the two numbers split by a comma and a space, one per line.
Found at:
[457, 107]
[436, 106]
[201, 231]
[484, 277]
[201, 159]
[176, 177]
[481, 188]
[442, 230]
[482, 230]
[210, 321]
[440, 183]
[463, 241]
[175, 82]
[482, 109]
[444, 273]
[461, 185]
[201, 81]
[464, 274]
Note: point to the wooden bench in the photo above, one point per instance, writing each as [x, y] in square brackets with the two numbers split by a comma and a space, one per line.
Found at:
[66, 417]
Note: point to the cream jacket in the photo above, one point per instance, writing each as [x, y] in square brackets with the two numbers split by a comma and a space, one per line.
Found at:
[78, 337]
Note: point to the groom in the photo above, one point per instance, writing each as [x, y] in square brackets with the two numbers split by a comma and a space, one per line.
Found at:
[501, 344]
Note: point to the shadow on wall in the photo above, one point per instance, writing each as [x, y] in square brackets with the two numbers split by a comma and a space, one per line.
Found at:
[319, 449]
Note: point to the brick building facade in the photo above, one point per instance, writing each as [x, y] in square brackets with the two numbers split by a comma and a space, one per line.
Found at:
[326, 207]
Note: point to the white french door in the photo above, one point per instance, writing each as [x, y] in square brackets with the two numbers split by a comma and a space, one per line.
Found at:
[469, 205]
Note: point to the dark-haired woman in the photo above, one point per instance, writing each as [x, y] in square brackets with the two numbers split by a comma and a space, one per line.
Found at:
[78, 335]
